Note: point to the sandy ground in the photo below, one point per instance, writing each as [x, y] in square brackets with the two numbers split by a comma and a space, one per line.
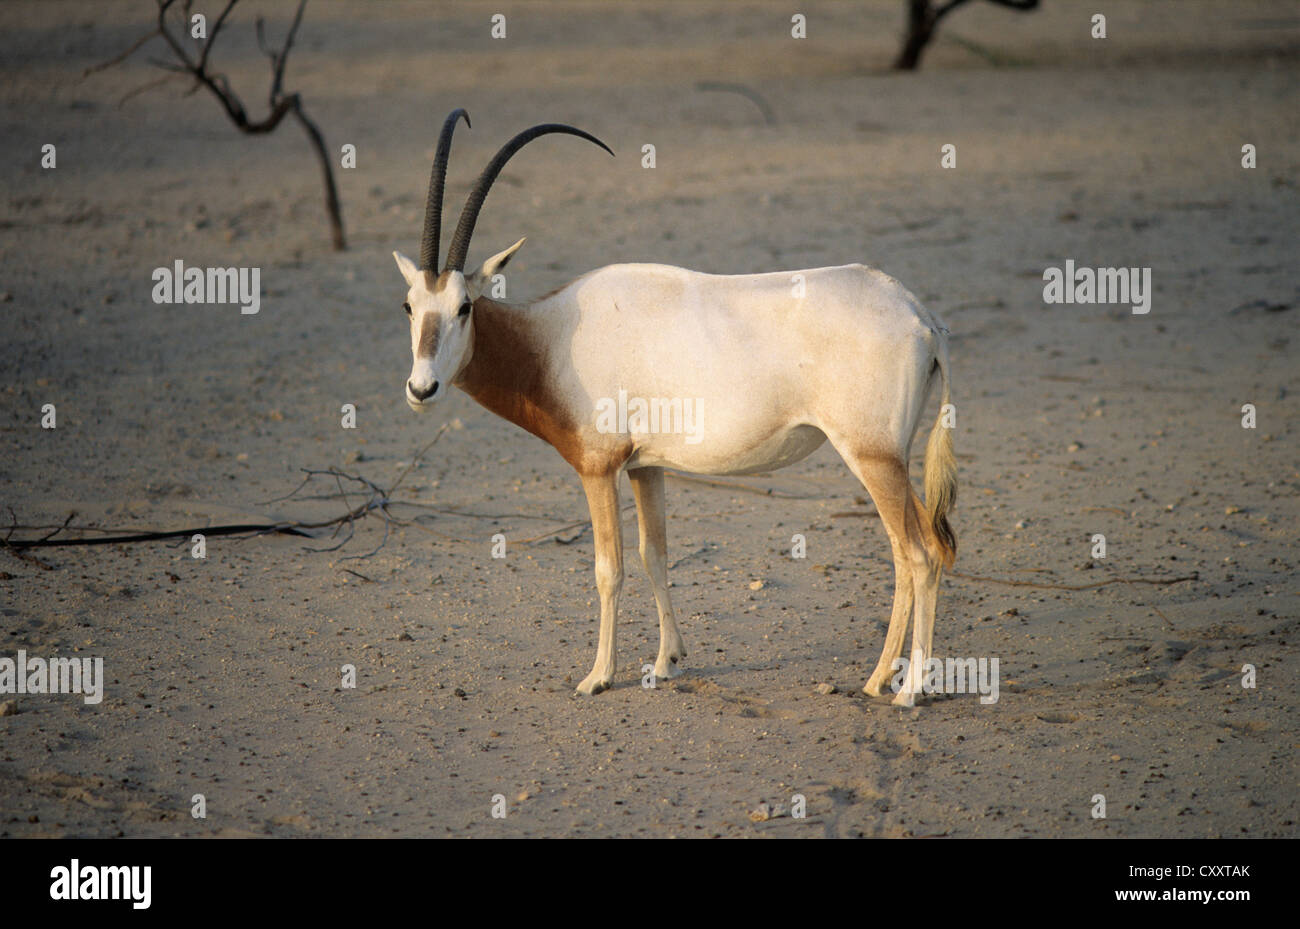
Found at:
[223, 674]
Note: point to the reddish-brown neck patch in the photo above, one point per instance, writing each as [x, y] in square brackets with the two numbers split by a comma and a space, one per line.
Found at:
[508, 375]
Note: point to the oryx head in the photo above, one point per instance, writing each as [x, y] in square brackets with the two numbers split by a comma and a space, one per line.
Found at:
[440, 304]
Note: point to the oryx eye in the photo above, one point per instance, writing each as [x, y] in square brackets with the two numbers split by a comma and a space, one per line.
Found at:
[464, 309]
[407, 307]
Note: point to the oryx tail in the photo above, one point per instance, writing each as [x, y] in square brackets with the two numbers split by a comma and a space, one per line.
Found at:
[940, 462]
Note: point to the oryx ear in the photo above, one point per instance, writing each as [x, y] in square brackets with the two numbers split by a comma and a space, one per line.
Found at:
[483, 276]
[407, 267]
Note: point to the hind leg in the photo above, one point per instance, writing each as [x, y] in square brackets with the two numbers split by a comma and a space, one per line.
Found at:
[934, 568]
[915, 584]
[927, 561]
[898, 621]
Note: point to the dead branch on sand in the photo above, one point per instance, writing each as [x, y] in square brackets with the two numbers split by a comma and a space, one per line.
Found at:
[1041, 586]
[378, 500]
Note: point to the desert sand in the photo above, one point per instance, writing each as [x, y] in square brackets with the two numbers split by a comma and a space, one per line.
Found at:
[223, 674]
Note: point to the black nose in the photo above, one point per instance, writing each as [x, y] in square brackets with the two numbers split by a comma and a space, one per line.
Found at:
[422, 394]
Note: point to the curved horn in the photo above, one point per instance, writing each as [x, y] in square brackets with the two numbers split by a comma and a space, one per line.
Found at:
[433, 208]
[459, 247]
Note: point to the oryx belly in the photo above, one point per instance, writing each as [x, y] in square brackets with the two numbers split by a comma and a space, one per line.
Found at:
[745, 455]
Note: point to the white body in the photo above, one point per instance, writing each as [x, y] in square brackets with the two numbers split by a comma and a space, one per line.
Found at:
[772, 375]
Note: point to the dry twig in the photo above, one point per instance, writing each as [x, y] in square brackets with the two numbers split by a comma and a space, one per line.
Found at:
[281, 104]
[378, 500]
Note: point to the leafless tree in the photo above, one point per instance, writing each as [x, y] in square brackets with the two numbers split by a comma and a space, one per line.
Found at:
[195, 63]
[923, 18]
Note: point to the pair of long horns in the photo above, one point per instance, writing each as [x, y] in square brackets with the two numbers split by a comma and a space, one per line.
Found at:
[459, 248]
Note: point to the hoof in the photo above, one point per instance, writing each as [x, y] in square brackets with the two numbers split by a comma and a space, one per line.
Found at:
[904, 699]
[666, 670]
[593, 684]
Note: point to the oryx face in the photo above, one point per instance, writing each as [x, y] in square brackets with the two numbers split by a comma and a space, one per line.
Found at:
[440, 312]
[441, 305]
